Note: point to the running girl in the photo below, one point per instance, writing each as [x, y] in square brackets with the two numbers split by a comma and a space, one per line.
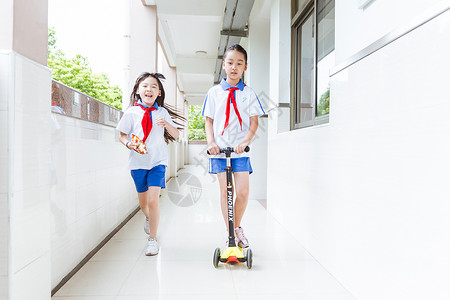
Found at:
[149, 120]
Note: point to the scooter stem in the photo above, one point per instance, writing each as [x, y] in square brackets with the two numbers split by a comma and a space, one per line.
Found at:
[230, 215]
[227, 151]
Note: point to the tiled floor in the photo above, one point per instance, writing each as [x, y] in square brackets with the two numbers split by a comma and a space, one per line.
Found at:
[183, 269]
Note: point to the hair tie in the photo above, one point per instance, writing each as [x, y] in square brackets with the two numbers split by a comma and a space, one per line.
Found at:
[159, 75]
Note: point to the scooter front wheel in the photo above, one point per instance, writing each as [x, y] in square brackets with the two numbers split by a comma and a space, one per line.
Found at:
[249, 258]
[216, 257]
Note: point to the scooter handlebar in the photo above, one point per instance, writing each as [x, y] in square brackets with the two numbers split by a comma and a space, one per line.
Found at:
[229, 149]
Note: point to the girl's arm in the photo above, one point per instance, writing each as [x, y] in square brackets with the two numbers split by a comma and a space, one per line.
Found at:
[123, 138]
[250, 134]
[173, 131]
[212, 146]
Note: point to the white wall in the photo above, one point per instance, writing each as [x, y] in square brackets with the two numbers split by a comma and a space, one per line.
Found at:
[367, 194]
[24, 183]
[4, 225]
[197, 155]
[355, 28]
[92, 191]
[24, 114]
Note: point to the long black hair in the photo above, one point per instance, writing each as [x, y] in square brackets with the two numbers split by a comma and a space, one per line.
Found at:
[178, 119]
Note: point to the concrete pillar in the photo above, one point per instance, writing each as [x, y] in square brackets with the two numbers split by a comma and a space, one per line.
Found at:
[25, 99]
[258, 79]
[127, 80]
[140, 42]
[186, 133]
[170, 87]
[180, 108]
[280, 62]
[24, 28]
[186, 115]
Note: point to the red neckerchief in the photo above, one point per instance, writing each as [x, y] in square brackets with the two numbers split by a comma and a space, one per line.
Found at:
[146, 120]
[227, 111]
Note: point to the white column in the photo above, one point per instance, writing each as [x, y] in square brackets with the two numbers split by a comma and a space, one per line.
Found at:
[25, 98]
[180, 107]
[127, 84]
[258, 79]
[186, 133]
[170, 87]
[141, 43]
[186, 115]
[280, 58]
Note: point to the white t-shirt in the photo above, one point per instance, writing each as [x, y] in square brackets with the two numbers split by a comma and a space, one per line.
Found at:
[130, 123]
[215, 105]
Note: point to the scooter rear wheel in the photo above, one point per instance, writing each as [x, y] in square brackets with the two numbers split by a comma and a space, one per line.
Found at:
[249, 258]
[216, 257]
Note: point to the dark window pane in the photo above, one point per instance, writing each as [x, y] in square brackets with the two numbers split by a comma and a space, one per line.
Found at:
[305, 78]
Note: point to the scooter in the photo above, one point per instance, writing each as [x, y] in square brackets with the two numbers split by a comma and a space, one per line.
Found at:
[232, 253]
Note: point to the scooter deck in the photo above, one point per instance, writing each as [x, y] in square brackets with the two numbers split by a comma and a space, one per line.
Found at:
[232, 254]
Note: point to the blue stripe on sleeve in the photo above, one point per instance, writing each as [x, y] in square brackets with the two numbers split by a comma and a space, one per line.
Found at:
[204, 105]
[260, 104]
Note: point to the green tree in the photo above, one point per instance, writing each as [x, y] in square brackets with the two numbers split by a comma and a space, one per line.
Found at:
[324, 104]
[77, 74]
[196, 123]
[51, 40]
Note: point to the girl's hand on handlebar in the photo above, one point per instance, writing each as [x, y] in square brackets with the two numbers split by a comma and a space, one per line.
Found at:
[213, 149]
[240, 148]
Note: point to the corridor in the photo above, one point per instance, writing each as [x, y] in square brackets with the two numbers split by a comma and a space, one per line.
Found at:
[190, 229]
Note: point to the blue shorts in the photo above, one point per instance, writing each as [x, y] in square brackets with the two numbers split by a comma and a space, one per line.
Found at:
[239, 164]
[144, 178]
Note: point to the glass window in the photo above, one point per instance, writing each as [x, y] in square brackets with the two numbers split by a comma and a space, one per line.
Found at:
[313, 57]
[305, 97]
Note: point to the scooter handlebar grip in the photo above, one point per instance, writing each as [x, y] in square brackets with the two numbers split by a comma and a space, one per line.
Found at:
[221, 150]
[207, 151]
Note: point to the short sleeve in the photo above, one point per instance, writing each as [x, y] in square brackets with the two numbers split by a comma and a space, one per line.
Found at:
[168, 119]
[208, 106]
[256, 108]
[125, 124]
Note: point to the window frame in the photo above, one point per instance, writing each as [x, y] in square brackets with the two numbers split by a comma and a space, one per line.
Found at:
[298, 19]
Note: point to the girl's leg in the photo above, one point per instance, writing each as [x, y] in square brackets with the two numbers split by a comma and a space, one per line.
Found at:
[143, 203]
[153, 204]
[149, 203]
[241, 184]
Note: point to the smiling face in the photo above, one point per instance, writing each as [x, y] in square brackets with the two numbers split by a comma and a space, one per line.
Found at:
[149, 90]
[234, 65]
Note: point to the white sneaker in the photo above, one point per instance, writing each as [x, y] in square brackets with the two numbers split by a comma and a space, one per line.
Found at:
[241, 240]
[146, 226]
[152, 247]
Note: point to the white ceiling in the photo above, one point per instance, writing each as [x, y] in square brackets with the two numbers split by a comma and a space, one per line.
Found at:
[186, 27]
